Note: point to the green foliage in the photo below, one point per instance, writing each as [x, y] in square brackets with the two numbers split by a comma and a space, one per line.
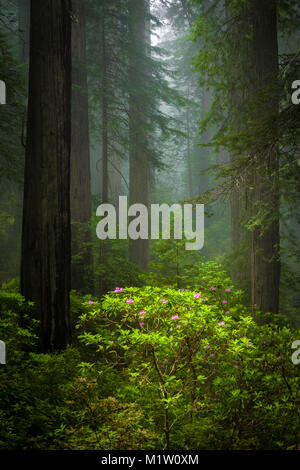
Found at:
[94, 423]
[11, 157]
[172, 265]
[18, 330]
[113, 267]
[210, 371]
[57, 401]
[11, 114]
[109, 265]
[247, 126]
[152, 368]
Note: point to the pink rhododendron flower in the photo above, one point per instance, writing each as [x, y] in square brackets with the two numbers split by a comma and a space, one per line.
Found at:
[142, 324]
[212, 354]
[91, 302]
[197, 296]
[175, 317]
[221, 323]
[227, 313]
[227, 290]
[142, 312]
[129, 301]
[225, 302]
[207, 347]
[119, 289]
[213, 288]
[166, 359]
[178, 326]
[164, 301]
[235, 366]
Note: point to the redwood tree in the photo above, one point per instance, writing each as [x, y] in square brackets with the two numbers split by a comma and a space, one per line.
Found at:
[45, 264]
[254, 112]
[265, 262]
[138, 160]
[80, 155]
[24, 26]
[241, 91]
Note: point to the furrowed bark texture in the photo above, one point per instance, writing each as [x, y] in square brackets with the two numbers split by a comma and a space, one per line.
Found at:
[80, 155]
[138, 165]
[265, 262]
[256, 195]
[45, 265]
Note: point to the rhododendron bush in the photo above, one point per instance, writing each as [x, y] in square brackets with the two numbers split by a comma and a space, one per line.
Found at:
[211, 372]
[152, 368]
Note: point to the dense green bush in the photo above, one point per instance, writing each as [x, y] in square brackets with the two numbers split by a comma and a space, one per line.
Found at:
[211, 372]
[152, 368]
[57, 401]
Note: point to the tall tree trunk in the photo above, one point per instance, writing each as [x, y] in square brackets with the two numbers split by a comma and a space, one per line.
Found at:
[104, 246]
[80, 156]
[45, 265]
[104, 106]
[188, 150]
[254, 100]
[242, 91]
[203, 158]
[138, 163]
[23, 57]
[115, 176]
[24, 29]
[265, 262]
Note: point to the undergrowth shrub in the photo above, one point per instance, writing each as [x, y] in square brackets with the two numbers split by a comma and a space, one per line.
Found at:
[211, 372]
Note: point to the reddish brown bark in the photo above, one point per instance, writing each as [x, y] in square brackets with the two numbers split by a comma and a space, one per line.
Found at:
[80, 156]
[138, 164]
[45, 265]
